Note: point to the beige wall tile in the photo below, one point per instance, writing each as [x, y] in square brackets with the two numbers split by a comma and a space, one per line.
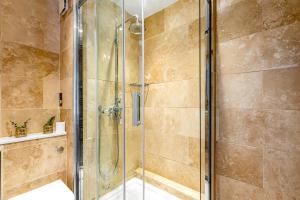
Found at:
[155, 24]
[91, 94]
[183, 174]
[268, 49]
[244, 54]
[66, 63]
[66, 33]
[179, 121]
[170, 43]
[134, 151]
[51, 37]
[89, 152]
[281, 88]
[242, 126]
[89, 60]
[180, 66]
[281, 174]
[34, 21]
[28, 143]
[282, 130]
[182, 121]
[89, 40]
[195, 154]
[279, 13]
[25, 164]
[107, 59]
[90, 109]
[21, 60]
[90, 183]
[281, 46]
[91, 123]
[230, 189]
[27, 70]
[106, 93]
[277, 129]
[181, 12]
[164, 145]
[66, 87]
[66, 115]
[22, 92]
[240, 90]
[276, 48]
[239, 162]
[51, 88]
[174, 94]
[240, 19]
[176, 40]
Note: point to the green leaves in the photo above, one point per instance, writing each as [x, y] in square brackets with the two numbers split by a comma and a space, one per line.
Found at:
[50, 121]
[21, 125]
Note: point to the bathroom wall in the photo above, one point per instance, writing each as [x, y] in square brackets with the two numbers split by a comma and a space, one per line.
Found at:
[258, 92]
[172, 108]
[29, 63]
[66, 84]
[32, 164]
[29, 86]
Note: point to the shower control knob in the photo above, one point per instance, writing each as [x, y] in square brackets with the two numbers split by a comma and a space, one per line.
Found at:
[60, 149]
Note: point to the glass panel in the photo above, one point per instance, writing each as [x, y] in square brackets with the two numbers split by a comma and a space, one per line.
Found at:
[110, 99]
[172, 100]
[88, 50]
[119, 145]
[134, 95]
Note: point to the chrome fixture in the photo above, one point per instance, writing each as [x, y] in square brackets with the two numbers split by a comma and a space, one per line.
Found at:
[136, 114]
[115, 110]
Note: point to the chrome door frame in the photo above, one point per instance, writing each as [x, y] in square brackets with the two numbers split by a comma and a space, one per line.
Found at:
[77, 99]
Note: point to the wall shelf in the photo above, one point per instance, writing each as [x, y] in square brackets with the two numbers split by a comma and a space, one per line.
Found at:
[33, 136]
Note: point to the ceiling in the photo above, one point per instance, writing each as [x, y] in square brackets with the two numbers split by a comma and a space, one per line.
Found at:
[151, 7]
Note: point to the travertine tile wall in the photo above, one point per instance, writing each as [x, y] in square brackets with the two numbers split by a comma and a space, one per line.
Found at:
[32, 164]
[29, 63]
[29, 87]
[172, 107]
[66, 84]
[258, 85]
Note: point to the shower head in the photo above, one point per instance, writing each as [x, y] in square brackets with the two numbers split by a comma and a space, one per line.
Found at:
[136, 27]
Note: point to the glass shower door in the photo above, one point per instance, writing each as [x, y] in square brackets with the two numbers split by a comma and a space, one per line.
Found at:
[119, 98]
[109, 82]
[110, 126]
[86, 104]
[130, 70]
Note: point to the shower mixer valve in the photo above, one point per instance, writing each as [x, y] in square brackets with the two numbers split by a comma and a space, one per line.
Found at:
[114, 110]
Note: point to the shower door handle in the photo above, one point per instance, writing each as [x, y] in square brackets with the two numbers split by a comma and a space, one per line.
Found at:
[136, 114]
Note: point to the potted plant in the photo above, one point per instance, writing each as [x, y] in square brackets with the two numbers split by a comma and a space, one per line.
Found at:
[48, 127]
[20, 129]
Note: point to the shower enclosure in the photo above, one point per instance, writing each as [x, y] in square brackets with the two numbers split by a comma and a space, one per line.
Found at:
[142, 109]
